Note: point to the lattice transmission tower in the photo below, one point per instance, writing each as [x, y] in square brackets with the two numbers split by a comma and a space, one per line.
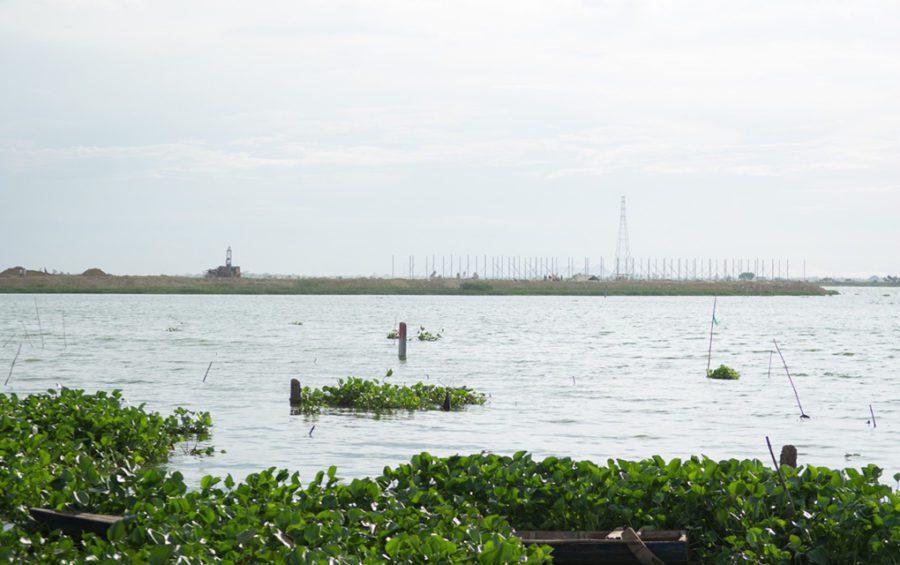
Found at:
[623, 249]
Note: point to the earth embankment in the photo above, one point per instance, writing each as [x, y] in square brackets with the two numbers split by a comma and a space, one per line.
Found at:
[34, 282]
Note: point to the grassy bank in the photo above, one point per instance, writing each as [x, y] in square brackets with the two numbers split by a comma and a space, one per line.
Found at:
[108, 284]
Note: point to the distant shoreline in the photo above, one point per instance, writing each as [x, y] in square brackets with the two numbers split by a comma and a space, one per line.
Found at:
[110, 284]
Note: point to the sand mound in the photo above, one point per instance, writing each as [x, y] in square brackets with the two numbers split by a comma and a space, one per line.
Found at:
[95, 272]
[13, 271]
[21, 272]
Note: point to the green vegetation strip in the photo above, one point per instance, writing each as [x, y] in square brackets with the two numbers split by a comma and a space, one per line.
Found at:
[375, 396]
[446, 510]
[108, 284]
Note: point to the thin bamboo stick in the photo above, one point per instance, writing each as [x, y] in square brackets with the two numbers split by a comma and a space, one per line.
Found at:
[13, 364]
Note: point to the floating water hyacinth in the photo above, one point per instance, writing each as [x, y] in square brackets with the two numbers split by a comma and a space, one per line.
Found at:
[425, 335]
[91, 453]
[375, 396]
[723, 372]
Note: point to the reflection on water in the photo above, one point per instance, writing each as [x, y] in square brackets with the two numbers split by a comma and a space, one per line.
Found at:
[590, 378]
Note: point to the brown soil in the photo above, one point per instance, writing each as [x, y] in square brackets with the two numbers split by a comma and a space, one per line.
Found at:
[94, 272]
[20, 271]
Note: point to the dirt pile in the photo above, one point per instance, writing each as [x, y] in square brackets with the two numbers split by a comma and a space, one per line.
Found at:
[94, 272]
[20, 272]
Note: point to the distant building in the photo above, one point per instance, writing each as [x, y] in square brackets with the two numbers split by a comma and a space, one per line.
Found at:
[226, 271]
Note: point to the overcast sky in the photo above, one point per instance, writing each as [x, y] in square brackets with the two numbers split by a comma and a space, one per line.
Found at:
[321, 138]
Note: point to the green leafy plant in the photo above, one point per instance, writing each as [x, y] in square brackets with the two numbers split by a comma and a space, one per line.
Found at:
[69, 450]
[723, 372]
[734, 511]
[375, 396]
[90, 452]
[393, 334]
[425, 335]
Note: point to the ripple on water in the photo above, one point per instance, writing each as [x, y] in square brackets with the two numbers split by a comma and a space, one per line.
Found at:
[637, 393]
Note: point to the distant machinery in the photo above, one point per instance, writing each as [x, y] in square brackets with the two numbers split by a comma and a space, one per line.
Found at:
[624, 266]
[228, 271]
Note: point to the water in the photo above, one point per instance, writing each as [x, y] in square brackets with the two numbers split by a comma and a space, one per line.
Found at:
[588, 377]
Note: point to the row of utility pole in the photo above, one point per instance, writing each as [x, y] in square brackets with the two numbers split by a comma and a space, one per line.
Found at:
[541, 268]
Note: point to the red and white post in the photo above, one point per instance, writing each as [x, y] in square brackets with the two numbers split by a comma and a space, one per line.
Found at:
[401, 343]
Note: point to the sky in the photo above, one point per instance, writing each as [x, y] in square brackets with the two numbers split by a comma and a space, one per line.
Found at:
[325, 137]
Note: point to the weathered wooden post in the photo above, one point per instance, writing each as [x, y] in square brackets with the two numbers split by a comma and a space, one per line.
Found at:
[446, 406]
[296, 395]
[788, 456]
[401, 343]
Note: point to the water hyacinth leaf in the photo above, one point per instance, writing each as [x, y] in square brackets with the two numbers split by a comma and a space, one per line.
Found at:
[161, 554]
[116, 532]
[819, 555]
[245, 536]
[82, 498]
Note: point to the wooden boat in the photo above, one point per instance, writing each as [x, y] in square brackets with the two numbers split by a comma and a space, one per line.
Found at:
[74, 523]
[621, 546]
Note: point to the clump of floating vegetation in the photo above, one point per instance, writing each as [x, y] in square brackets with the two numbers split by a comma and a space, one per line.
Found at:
[376, 396]
[296, 323]
[724, 372]
[70, 449]
[421, 335]
[91, 453]
[425, 335]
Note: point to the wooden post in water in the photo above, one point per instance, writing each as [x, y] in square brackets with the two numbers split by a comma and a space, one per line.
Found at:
[296, 396]
[38, 315]
[13, 364]
[712, 324]
[803, 415]
[446, 406]
[401, 343]
[781, 476]
[788, 456]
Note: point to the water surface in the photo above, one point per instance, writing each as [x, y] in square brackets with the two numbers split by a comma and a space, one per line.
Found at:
[587, 377]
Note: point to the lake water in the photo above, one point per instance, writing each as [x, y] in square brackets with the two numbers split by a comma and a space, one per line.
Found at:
[591, 378]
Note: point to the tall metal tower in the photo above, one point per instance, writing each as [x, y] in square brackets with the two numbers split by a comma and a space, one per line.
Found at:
[228, 257]
[623, 250]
